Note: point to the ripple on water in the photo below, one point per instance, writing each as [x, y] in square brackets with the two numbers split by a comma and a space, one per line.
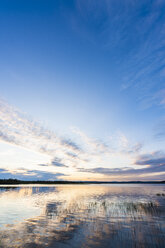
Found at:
[82, 216]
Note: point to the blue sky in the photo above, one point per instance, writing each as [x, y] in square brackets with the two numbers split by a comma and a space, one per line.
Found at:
[90, 75]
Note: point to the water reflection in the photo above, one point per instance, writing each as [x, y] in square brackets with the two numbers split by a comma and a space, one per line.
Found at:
[82, 216]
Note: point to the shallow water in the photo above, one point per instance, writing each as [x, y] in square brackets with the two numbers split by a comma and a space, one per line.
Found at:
[111, 215]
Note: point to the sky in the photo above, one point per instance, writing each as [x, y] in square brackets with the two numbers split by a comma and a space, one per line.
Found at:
[82, 90]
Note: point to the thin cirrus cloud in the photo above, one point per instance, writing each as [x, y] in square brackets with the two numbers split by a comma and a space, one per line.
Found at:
[159, 130]
[136, 36]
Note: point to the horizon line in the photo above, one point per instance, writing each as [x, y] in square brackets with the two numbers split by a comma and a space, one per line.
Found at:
[17, 181]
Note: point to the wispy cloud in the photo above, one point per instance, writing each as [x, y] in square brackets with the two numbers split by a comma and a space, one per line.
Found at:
[70, 144]
[116, 156]
[154, 163]
[159, 130]
[58, 162]
[55, 162]
[18, 129]
[135, 31]
[92, 145]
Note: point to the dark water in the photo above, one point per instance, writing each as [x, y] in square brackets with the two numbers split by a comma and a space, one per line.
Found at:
[83, 216]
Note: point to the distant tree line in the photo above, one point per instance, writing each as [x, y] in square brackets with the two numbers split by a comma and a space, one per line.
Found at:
[16, 181]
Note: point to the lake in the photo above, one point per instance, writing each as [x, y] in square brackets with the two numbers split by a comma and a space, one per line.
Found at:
[89, 215]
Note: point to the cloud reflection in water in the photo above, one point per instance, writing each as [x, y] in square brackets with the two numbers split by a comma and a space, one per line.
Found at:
[83, 216]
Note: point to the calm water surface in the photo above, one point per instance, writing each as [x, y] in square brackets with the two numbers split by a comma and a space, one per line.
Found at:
[85, 216]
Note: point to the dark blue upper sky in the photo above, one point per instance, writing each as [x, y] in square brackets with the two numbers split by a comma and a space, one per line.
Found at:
[95, 65]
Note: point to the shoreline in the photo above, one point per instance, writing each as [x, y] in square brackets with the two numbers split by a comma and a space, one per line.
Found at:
[18, 182]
